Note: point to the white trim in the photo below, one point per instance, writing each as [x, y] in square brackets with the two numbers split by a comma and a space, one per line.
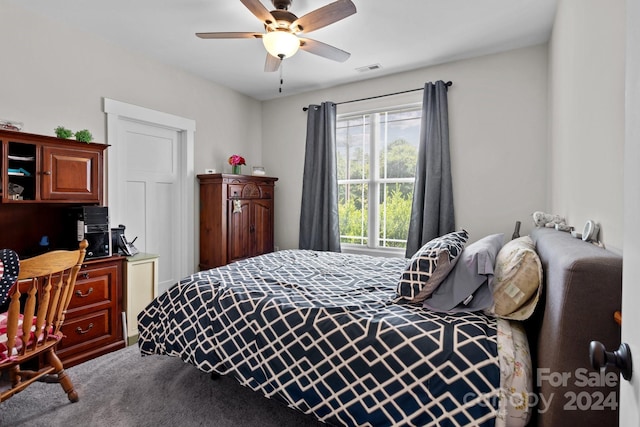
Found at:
[117, 110]
[364, 250]
[392, 108]
[148, 115]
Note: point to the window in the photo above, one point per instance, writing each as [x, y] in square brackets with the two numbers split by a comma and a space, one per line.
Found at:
[377, 154]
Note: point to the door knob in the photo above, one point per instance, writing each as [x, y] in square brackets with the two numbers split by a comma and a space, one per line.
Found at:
[621, 358]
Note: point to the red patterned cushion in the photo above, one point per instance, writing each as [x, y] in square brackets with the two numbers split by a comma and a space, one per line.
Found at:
[19, 342]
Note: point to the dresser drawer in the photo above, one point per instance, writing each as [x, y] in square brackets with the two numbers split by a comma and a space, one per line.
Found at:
[78, 331]
[93, 324]
[89, 292]
[235, 191]
[93, 286]
[266, 191]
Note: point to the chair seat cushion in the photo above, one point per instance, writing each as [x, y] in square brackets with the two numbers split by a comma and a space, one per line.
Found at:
[19, 342]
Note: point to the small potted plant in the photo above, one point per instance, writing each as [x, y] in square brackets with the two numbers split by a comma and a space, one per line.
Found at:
[63, 132]
[84, 136]
[236, 161]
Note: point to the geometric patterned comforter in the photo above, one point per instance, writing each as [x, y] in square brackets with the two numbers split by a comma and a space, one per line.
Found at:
[320, 332]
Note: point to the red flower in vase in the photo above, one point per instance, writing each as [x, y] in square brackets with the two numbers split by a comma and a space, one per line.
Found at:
[236, 160]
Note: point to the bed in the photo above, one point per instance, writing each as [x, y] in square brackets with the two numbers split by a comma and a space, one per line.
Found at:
[583, 290]
[325, 333]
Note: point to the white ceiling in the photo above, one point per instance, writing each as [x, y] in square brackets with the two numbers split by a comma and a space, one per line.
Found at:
[399, 35]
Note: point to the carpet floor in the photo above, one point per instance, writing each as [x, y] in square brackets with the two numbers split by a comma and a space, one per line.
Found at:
[124, 389]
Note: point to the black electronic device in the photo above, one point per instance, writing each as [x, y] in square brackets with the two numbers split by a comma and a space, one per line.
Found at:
[116, 232]
[91, 223]
[120, 244]
[127, 246]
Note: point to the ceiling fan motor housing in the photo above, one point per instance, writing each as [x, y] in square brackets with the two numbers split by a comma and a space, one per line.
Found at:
[282, 4]
[283, 20]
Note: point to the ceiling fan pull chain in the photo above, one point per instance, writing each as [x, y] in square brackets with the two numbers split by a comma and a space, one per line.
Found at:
[281, 79]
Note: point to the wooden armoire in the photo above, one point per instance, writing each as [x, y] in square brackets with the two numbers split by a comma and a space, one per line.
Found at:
[236, 217]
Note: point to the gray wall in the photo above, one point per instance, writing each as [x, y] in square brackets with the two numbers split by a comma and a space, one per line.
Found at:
[630, 390]
[498, 134]
[539, 128]
[55, 75]
[586, 115]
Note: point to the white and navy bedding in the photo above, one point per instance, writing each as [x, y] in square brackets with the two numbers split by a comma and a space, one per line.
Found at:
[320, 332]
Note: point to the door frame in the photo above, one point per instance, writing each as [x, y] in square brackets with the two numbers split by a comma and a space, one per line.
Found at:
[630, 390]
[116, 111]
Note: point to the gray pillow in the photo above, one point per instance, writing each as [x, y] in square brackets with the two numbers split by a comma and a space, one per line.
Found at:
[468, 285]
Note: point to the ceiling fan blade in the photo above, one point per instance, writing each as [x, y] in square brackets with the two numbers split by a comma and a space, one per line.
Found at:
[258, 9]
[323, 49]
[229, 35]
[324, 16]
[272, 63]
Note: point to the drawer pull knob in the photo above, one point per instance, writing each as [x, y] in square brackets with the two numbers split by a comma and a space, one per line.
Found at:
[81, 295]
[82, 332]
[85, 275]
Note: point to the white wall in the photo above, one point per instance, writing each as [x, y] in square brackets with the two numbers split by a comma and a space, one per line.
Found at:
[498, 134]
[54, 75]
[586, 115]
[630, 390]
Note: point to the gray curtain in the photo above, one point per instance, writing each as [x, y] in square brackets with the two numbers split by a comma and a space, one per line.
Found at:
[432, 209]
[319, 226]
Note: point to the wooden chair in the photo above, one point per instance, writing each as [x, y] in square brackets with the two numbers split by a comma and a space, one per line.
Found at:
[46, 282]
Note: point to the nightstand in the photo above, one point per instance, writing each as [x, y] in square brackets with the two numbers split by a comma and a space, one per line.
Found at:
[141, 287]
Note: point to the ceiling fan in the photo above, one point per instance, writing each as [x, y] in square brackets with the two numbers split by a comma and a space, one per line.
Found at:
[282, 28]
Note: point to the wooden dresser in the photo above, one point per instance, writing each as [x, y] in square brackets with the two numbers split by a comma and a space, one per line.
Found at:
[236, 217]
[93, 325]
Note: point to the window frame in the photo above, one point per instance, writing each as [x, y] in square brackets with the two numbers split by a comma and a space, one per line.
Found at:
[374, 182]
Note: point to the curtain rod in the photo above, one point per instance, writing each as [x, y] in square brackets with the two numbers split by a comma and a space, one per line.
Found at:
[448, 84]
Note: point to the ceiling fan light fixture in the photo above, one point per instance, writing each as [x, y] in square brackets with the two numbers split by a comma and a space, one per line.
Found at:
[281, 44]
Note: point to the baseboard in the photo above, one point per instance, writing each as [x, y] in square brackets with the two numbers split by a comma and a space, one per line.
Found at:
[133, 339]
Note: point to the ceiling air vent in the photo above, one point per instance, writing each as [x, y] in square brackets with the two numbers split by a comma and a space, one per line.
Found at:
[371, 67]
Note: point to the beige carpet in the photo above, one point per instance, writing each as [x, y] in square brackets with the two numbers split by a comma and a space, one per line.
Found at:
[124, 389]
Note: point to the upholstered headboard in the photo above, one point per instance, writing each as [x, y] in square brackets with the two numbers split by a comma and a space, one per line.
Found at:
[582, 290]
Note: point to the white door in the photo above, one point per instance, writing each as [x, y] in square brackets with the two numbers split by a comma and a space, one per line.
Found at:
[630, 391]
[151, 185]
[151, 190]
